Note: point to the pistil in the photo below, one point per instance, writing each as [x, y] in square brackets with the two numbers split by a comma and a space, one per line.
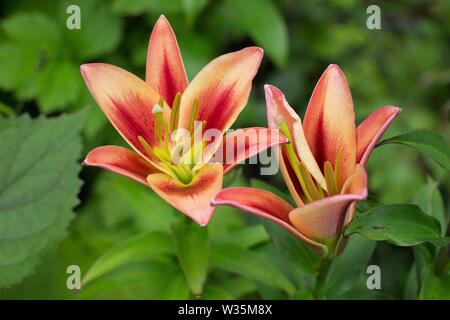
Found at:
[167, 153]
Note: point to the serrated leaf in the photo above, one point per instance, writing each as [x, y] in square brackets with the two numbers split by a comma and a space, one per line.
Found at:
[38, 188]
[263, 22]
[192, 247]
[132, 250]
[401, 224]
[246, 263]
[428, 142]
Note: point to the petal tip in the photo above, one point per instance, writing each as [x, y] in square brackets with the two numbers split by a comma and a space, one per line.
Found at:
[86, 67]
[334, 67]
[162, 20]
[256, 51]
[271, 90]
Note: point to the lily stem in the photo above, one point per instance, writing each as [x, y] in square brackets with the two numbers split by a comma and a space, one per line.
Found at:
[321, 278]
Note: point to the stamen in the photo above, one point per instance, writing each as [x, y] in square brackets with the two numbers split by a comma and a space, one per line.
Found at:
[175, 112]
[293, 160]
[191, 157]
[197, 142]
[309, 183]
[338, 168]
[161, 102]
[319, 188]
[193, 115]
[330, 179]
[157, 110]
[147, 148]
[162, 154]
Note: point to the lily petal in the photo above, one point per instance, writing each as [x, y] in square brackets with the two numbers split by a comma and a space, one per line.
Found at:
[165, 69]
[126, 100]
[222, 88]
[329, 122]
[355, 184]
[323, 219]
[266, 205]
[371, 129]
[277, 106]
[194, 199]
[120, 160]
[246, 143]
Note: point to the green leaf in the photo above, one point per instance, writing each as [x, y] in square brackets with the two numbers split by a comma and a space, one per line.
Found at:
[136, 7]
[434, 287]
[5, 109]
[234, 259]
[135, 249]
[428, 142]
[293, 250]
[263, 22]
[101, 30]
[118, 200]
[429, 199]
[401, 224]
[38, 188]
[412, 284]
[33, 30]
[148, 279]
[58, 85]
[348, 269]
[32, 39]
[17, 66]
[192, 7]
[175, 286]
[246, 237]
[213, 292]
[192, 246]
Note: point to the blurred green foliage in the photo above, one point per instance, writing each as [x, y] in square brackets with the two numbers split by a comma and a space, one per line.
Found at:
[406, 64]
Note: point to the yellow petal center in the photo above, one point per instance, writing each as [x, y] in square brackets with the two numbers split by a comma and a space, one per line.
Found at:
[176, 151]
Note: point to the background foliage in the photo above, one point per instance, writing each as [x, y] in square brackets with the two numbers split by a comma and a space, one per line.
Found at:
[404, 64]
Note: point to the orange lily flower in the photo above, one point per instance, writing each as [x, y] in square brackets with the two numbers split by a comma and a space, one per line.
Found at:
[323, 166]
[148, 114]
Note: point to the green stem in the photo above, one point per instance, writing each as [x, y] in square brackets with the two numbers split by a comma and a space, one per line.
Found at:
[324, 268]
